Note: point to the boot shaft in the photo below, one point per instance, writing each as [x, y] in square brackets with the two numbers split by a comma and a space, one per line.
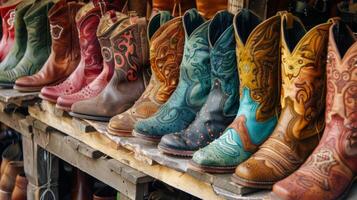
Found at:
[8, 19]
[303, 74]
[130, 49]
[87, 20]
[258, 57]
[20, 27]
[63, 29]
[38, 28]
[341, 100]
[223, 59]
[107, 24]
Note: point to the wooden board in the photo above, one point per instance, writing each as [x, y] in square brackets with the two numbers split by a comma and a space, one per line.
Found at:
[212, 189]
[13, 97]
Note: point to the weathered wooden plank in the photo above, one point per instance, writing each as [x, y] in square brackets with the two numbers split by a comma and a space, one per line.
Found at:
[83, 126]
[11, 96]
[83, 149]
[177, 179]
[98, 168]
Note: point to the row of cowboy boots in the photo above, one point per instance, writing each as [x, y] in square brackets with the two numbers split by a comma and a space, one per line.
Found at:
[13, 182]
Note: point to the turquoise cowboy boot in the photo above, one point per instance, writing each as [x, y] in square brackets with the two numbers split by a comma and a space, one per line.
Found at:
[194, 84]
[18, 50]
[38, 45]
[222, 103]
[258, 68]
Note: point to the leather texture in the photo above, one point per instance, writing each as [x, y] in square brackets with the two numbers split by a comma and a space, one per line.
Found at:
[257, 47]
[303, 101]
[91, 63]
[7, 13]
[105, 193]
[330, 170]
[130, 53]
[193, 88]
[166, 51]
[222, 102]
[11, 153]
[65, 53]
[8, 178]
[208, 8]
[38, 45]
[82, 186]
[177, 7]
[18, 49]
[20, 190]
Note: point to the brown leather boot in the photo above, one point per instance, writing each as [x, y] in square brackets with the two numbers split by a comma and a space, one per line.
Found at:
[65, 53]
[208, 8]
[301, 121]
[177, 7]
[330, 171]
[82, 187]
[105, 193]
[166, 52]
[8, 179]
[130, 53]
[11, 153]
[20, 190]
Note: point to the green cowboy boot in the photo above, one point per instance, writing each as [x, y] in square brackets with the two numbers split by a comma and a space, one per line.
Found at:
[18, 50]
[38, 45]
[222, 103]
[194, 84]
[258, 57]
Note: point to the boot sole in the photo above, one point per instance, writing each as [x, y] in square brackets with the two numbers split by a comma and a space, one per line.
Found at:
[67, 109]
[89, 117]
[145, 137]
[27, 89]
[47, 99]
[169, 151]
[119, 133]
[210, 169]
[252, 184]
[7, 85]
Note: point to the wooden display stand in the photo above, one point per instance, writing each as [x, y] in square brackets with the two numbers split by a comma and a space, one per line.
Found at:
[127, 164]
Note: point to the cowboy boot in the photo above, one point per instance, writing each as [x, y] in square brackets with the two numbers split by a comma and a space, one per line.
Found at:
[38, 45]
[329, 172]
[11, 153]
[222, 102]
[20, 190]
[208, 8]
[105, 193]
[18, 49]
[101, 73]
[303, 97]
[7, 12]
[130, 49]
[91, 63]
[65, 53]
[8, 178]
[258, 67]
[176, 6]
[194, 84]
[166, 52]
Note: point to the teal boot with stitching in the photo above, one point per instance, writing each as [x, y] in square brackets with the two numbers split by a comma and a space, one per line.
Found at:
[194, 84]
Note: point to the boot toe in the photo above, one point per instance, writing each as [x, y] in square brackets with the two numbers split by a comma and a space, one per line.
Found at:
[174, 141]
[255, 173]
[50, 93]
[121, 123]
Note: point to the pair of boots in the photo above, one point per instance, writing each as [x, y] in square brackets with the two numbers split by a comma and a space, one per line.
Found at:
[7, 12]
[13, 183]
[96, 66]
[207, 83]
[32, 43]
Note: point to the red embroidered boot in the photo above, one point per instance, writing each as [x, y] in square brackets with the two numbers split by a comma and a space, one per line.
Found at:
[7, 12]
[91, 63]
